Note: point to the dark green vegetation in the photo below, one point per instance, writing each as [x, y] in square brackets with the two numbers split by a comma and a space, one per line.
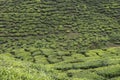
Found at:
[59, 39]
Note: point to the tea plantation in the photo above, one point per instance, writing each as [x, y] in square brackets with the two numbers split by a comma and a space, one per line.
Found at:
[59, 39]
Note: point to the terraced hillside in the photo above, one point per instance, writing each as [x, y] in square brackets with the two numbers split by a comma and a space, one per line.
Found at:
[73, 39]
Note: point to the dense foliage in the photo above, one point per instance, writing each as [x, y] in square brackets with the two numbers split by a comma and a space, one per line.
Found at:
[59, 39]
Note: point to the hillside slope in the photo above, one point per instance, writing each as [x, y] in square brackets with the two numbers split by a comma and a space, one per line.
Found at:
[85, 22]
[64, 35]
